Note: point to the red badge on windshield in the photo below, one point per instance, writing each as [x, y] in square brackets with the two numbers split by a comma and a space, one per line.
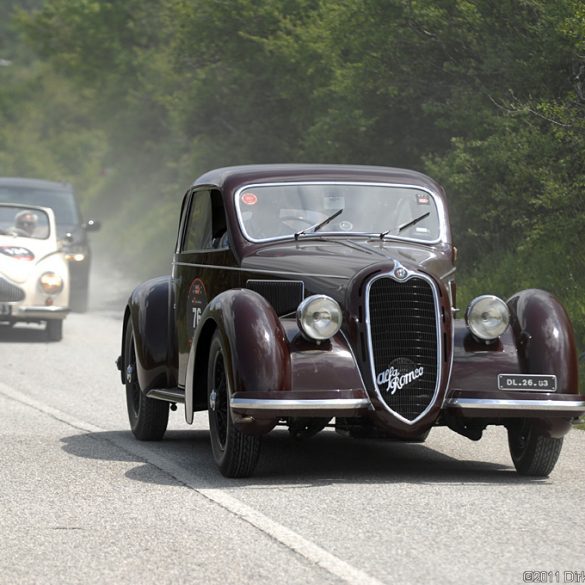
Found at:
[249, 199]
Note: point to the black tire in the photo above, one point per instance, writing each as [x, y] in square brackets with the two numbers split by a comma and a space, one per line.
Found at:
[55, 329]
[235, 454]
[148, 417]
[532, 452]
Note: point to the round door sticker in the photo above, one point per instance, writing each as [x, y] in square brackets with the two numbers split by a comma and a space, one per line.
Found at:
[196, 303]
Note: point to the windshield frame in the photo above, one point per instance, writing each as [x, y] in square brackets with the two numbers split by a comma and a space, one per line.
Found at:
[441, 212]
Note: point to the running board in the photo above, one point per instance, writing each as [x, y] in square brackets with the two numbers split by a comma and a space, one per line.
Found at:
[168, 394]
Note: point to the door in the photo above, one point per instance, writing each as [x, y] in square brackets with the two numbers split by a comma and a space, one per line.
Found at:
[204, 266]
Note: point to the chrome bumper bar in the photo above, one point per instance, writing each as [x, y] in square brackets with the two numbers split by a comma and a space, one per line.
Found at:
[470, 404]
[299, 405]
[40, 312]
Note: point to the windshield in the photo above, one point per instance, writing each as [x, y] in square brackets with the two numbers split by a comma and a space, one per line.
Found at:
[284, 210]
[61, 202]
[24, 223]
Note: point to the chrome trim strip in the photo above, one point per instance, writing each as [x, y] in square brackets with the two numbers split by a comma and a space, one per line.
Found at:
[409, 275]
[449, 273]
[167, 394]
[42, 310]
[498, 404]
[300, 405]
[258, 270]
[452, 358]
[441, 212]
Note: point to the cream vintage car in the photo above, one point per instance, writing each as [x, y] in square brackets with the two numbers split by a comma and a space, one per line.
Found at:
[34, 275]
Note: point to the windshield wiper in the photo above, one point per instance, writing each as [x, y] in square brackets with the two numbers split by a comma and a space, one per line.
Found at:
[406, 225]
[318, 226]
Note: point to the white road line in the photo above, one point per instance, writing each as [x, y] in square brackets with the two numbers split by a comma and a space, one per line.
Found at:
[285, 536]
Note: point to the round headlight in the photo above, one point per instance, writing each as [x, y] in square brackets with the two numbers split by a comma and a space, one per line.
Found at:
[319, 317]
[51, 283]
[487, 317]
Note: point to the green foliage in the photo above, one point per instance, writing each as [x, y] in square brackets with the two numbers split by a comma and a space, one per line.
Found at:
[133, 100]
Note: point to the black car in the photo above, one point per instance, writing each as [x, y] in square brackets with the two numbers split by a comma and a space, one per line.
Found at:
[299, 294]
[71, 228]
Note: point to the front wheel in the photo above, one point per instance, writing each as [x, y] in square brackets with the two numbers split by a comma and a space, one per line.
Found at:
[235, 454]
[148, 417]
[533, 453]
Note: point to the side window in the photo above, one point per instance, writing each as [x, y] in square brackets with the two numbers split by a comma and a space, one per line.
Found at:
[198, 235]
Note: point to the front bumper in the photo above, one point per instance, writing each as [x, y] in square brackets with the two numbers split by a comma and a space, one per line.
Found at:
[40, 312]
[508, 405]
[327, 403]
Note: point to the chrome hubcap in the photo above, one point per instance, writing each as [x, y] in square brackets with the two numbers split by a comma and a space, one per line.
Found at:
[129, 374]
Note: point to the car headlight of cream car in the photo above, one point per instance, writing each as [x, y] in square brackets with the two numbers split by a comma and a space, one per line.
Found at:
[51, 283]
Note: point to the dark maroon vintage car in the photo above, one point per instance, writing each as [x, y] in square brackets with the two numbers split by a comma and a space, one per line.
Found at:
[310, 295]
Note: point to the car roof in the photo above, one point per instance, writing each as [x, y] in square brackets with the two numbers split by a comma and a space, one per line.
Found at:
[233, 177]
[34, 183]
[26, 207]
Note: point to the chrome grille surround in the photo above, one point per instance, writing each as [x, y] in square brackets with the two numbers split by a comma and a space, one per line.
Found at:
[403, 277]
[9, 292]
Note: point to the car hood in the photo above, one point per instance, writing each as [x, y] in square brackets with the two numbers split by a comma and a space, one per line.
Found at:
[20, 256]
[338, 260]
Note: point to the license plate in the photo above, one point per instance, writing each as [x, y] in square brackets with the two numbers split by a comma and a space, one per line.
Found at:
[527, 382]
[5, 310]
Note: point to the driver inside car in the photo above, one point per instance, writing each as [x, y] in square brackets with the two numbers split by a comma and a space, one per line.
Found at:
[26, 222]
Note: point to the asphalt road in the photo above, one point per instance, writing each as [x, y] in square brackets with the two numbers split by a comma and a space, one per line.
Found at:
[82, 502]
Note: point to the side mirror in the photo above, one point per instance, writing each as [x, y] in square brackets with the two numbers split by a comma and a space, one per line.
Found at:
[68, 239]
[92, 225]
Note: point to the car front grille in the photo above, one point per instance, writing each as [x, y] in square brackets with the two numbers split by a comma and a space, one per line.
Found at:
[9, 292]
[403, 344]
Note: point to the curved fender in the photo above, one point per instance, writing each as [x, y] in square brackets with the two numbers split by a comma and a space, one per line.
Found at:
[255, 339]
[544, 338]
[148, 308]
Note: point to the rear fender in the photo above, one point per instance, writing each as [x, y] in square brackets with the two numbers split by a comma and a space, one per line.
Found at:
[259, 357]
[154, 342]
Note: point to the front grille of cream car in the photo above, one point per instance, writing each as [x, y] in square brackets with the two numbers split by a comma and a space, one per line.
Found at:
[403, 344]
[9, 292]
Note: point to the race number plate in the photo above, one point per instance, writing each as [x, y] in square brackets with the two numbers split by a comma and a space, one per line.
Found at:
[5, 310]
[527, 382]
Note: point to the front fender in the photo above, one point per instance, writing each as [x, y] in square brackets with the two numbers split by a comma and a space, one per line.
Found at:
[544, 338]
[148, 311]
[259, 357]
[540, 340]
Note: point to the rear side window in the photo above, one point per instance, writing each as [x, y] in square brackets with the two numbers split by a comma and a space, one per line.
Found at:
[198, 235]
